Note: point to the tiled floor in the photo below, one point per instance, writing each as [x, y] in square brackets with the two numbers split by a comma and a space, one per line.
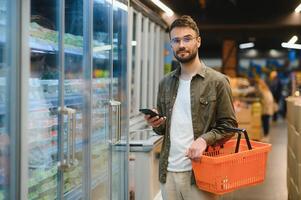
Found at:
[274, 186]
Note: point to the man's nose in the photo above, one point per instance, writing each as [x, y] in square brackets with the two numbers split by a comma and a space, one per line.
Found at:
[181, 43]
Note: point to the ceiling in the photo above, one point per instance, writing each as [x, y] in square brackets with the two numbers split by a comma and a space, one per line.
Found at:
[265, 22]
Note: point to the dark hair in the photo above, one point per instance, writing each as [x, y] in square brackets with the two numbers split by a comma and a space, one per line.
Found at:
[185, 21]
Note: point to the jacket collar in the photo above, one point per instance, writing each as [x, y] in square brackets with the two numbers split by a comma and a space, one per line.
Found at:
[201, 72]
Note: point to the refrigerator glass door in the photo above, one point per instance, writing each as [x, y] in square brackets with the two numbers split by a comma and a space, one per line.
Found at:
[120, 116]
[56, 93]
[43, 101]
[101, 95]
[74, 97]
[110, 118]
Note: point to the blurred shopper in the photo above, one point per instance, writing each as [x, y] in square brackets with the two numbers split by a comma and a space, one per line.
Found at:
[276, 88]
[267, 102]
[196, 102]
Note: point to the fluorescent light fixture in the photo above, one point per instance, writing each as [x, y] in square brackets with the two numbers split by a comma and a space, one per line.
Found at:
[246, 45]
[134, 43]
[293, 40]
[290, 45]
[165, 8]
[298, 9]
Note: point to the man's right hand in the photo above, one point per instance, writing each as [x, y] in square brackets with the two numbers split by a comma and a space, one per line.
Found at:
[154, 121]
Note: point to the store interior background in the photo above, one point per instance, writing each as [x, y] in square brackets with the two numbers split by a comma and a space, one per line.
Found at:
[249, 40]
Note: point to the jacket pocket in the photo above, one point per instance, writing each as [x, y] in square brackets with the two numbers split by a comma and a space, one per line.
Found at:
[208, 107]
[207, 100]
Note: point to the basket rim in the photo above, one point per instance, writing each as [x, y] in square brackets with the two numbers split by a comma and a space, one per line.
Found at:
[265, 148]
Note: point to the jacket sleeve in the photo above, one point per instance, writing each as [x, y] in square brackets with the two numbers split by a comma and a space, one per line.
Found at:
[225, 115]
[161, 129]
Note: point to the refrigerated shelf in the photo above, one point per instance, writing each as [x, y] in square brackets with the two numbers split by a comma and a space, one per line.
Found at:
[46, 41]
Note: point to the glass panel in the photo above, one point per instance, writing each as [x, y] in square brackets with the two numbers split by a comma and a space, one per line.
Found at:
[4, 103]
[44, 90]
[74, 95]
[119, 154]
[134, 49]
[43, 101]
[101, 96]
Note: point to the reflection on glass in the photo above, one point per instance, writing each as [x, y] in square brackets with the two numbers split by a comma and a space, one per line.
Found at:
[44, 90]
[4, 107]
[43, 102]
[134, 47]
[74, 92]
[101, 95]
[119, 93]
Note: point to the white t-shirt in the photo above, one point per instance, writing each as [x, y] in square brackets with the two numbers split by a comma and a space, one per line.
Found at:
[181, 131]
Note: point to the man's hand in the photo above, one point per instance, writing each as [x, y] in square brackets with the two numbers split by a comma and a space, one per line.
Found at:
[196, 149]
[155, 121]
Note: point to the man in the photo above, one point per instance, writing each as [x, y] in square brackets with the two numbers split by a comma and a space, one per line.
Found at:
[195, 102]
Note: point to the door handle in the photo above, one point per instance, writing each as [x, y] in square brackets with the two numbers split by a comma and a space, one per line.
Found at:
[115, 108]
[69, 160]
[73, 139]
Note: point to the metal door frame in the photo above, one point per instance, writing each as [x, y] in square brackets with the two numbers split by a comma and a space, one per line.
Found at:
[88, 70]
[21, 50]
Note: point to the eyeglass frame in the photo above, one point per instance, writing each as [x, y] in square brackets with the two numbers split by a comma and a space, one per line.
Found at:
[188, 37]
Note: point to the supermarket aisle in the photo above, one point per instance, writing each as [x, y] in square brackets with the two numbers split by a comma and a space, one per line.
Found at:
[274, 187]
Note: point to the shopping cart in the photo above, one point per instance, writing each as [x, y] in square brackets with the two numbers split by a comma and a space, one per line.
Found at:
[235, 164]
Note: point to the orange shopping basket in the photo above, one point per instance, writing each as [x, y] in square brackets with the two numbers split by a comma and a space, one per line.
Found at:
[233, 165]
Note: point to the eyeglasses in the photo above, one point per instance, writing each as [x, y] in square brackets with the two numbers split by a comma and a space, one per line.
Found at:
[186, 40]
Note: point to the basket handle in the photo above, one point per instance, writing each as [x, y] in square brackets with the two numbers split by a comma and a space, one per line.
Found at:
[239, 131]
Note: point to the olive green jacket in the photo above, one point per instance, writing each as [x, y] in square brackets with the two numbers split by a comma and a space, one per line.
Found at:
[211, 107]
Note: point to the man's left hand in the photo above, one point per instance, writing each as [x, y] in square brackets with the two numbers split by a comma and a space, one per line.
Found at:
[196, 149]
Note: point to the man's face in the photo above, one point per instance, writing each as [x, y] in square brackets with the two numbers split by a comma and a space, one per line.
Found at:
[185, 43]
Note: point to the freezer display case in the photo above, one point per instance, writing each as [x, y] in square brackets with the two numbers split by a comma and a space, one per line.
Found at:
[77, 133]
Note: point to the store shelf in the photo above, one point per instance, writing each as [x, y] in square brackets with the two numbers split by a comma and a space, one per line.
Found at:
[45, 40]
[96, 139]
[39, 178]
[45, 94]
[76, 193]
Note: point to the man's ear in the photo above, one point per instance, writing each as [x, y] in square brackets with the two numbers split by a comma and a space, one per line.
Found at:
[199, 39]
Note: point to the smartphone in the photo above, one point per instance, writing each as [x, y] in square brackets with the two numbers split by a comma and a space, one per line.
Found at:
[147, 111]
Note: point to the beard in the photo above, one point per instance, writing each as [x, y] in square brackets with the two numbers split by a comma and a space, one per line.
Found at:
[187, 59]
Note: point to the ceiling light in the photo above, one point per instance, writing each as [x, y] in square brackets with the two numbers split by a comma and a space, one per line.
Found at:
[274, 53]
[293, 40]
[134, 43]
[166, 9]
[246, 45]
[298, 9]
[290, 45]
[252, 53]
